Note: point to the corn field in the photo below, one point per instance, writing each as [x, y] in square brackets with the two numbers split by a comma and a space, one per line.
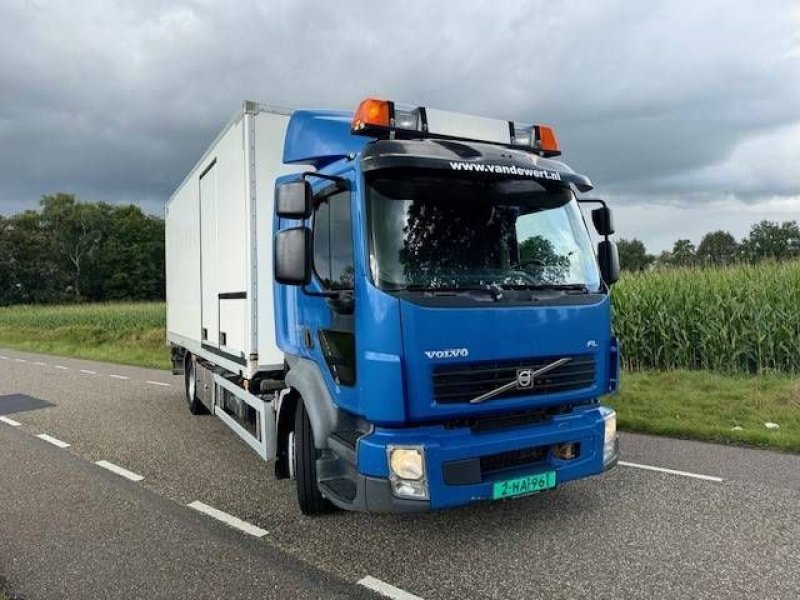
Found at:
[738, 319]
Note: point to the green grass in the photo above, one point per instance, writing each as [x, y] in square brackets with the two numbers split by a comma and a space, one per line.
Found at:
[707, 406]
[125, 333]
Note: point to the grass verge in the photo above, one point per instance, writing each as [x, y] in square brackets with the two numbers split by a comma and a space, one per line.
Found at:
[711, 406]
[124, 333]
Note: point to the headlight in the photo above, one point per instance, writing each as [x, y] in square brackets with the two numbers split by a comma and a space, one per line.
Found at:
[406, 463]
[407, 472]
[610, 436]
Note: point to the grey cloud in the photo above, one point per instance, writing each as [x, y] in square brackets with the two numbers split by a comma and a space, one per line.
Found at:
[116, 100]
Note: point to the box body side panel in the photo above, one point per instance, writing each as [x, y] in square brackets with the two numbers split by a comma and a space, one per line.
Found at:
[183, 262]
[207, 254]
[226, 258]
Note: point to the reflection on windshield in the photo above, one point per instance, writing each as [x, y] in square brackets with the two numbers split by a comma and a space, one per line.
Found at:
[443, 232]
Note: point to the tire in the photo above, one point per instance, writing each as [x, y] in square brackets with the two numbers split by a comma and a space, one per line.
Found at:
[305, 454]
[195, 406]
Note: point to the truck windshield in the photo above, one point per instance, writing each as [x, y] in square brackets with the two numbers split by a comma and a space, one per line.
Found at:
[442, 232]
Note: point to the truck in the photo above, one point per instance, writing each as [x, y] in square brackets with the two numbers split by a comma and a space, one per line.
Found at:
[399, 307]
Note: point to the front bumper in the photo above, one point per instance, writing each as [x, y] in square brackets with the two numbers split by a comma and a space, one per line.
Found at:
[456, 473]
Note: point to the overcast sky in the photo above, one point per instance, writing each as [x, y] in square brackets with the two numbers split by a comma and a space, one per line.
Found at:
[685, 114]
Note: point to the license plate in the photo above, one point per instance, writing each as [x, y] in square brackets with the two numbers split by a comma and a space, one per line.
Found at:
[524, 485]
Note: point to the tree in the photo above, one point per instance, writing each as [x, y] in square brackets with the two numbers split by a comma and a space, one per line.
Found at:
[70, 249]
[129, 263]
[76, 230]
[770, 240]
[683, 253]
[32, 262]
[633, 255]
[717, 248]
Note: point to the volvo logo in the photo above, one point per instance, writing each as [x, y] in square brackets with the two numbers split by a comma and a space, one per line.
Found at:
[449, 353]
[524, 378]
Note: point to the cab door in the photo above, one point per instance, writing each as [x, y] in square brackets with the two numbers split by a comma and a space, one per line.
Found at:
[330, 321]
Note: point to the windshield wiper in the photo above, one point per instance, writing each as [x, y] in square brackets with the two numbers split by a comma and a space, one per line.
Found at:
[566, 287]
[494, 290]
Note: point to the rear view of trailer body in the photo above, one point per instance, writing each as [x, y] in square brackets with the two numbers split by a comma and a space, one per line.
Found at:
[219, 246]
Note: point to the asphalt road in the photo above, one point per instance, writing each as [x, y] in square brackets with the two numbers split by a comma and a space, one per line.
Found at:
[632, 533]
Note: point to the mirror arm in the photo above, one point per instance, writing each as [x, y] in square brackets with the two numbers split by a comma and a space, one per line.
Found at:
[335, 178]
[595, 201]
[592, 201]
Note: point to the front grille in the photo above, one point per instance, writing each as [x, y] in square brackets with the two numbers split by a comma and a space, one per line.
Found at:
[453, 384]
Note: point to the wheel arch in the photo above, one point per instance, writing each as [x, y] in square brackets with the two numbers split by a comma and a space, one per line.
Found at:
[305, 380]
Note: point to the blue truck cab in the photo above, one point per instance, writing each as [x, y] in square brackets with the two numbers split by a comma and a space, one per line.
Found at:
[444, 315]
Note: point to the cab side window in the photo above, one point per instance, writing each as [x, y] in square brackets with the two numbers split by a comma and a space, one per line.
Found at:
[333, 242]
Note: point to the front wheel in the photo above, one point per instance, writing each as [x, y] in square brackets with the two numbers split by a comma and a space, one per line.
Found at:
[195, 406]
[303, 454]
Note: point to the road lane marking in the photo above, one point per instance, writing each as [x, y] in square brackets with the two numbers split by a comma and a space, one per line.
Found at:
[9, 421]
[20, 360]
[41, 364]
[88, 372]
[385, 589]
[4, 358]
[157, 383]
[228, 519]
[63, 368]
[52, 440]
[122, 377]
[671, 471]
[119, 470]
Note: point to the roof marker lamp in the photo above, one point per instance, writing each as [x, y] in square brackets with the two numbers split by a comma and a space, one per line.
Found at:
[372, 113]
[407, 472]
[383, 115]
[540, 138]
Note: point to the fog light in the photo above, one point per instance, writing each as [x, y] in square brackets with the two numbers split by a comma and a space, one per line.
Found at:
[410, 489]
[566, 451]
[610, 435]
[406, 463]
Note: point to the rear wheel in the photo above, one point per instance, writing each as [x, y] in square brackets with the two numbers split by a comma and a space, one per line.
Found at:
[195, 406]
[303, 454]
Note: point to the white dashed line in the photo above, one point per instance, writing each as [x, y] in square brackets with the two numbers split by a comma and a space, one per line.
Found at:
[157, 383]
[671, 471]
[122, 377]
[88, 372]
[9, 421]
[228, 519]
[20, 360]
[119, 470]
[384, 589]
[52, 440]
[4, 358]
[63, 368]
[41, 364]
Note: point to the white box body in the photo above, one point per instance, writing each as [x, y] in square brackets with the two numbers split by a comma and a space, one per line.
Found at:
[219, 246]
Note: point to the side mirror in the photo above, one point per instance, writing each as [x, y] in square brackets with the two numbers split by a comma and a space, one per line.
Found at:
[608, 258]
[292, 256]
[603, 220]
[293, 200]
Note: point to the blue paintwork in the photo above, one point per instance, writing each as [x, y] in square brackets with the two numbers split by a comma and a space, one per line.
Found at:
[393, 375]
[498, 333]
[584, 426]
[320, 137]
